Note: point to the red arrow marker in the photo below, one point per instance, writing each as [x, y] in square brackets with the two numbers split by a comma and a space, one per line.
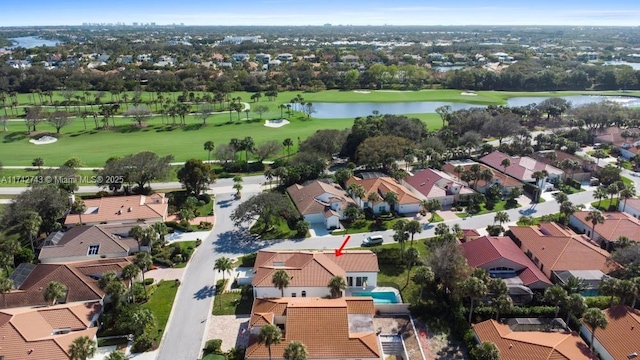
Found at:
[344, 243]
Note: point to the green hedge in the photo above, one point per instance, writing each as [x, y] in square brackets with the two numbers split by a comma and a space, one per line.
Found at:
[486, 312]
[600, 302]
[248, 260]
[388, 256]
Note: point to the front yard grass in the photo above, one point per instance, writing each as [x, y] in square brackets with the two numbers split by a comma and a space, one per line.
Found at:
[499, 206]
[233, 303]
[279, 230]
[363, 226]
[160, 304]
[606, 204]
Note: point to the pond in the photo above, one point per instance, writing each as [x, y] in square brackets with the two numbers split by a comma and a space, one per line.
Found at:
[635, 66]
[352, 110]
[29, 42]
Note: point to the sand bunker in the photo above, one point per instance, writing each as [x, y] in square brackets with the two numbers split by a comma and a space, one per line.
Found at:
[361, 92]
[467, 93]
[44, 140]
[276, 123]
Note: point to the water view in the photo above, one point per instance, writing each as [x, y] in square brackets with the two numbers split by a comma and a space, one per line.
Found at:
[635, 66]
[29, 42]
[351, 110]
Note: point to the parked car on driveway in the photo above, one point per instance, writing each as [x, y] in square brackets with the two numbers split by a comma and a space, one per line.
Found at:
[372, 241]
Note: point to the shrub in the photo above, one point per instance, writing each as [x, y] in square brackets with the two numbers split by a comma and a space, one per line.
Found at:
[205, 198]
[183, 226]
[138, 292]
[248, 260]
[178, 258]
[148, 281]
[162, 261]
[236, 353]
[495, 230]
[388, 256]
[600, 302]
[142, 343]
[213, 346]
[205, 225]
[198, 242]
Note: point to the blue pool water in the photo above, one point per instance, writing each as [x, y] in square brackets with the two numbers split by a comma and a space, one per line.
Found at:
[379, 297]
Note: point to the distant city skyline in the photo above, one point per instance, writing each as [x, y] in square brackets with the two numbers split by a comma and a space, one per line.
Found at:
[294, 12]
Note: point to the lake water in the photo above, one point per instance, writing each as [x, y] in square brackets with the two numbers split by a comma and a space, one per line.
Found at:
[448, 68]
[635, 66]
[352, 110]
[29, 42]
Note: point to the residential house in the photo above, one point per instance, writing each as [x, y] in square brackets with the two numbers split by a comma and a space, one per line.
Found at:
[263, 58]
[555, 249]
[521, 168]
[613, 135]
[46, 332]
[517, 342]
[407, 203]
[88, 242]
[436, 185]
[620, 339]
[588, 168]
[80, 279]
[630, 206]
[469, 235]
[122, 210]
[310, 271]
[329, 328]
[240, 57]
[320, 203]
[503, 259]
[616, 224]
[284, 57]
[505, 181]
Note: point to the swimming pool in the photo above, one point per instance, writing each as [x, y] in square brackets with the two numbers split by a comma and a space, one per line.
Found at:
[379, 297]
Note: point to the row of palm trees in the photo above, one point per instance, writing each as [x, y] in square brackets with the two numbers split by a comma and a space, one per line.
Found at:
[617, 189]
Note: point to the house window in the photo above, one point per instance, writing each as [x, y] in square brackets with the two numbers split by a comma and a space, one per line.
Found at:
[93, 249]
[361, 280]
[349, 280]
[304, 293]
[293, 294]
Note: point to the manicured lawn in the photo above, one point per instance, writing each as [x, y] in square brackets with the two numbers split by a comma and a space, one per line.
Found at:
[213, 357]
[436, 218]
[570, 189]
[605, 204]
[419, 244]
[626, 180]
[160, 304]
[363, 226]
[499, 206]
[113, 341]
[232, 303]
[280, 230]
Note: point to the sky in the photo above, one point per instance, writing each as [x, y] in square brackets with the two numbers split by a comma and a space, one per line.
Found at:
[336, 12]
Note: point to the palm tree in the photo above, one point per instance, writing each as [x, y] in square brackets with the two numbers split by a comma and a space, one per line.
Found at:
[281, 280]
[635, 289]
[373, 198]
[595, 217]
[575, 304]
[336, 286]
[248, 145]
[567, 209]
[612, 190]
[6, 285]
[501, 217]
[624, 289]
[115, 355]
[599, 194]
[574, 285]
[144, 262]
[412, 228]
[31, 223]
[269, 335]
[54, 291]
[486, 351]
[422, 277]
[357, 190]
[628, 192]
[609, 286]
[400, 233]
[295, 351]
[501, 304]
[208, 147]
[556, 296]
[539, 175]
[224, 265]
[82, 348]
[474, 289]
[79, 208]
[594, 318]
[411, 258]
[505, 163]
[288, 143]
[391, 198]
[129, 273]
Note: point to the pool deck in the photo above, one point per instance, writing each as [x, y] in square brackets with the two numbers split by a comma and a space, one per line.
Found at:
[352, 292]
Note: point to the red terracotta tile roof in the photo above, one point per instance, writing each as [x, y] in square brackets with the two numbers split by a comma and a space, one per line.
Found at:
[613, 134]
[115, 209]
[487, 249]
[306, 268]
[615, 224]
[504, 180]
[75, 276]
[431, 183]
[383, 185]
[532, 345]
[29, 333]
[306, 197]
[323, 326]
[560, 248]
[521, 168]
[621, 336]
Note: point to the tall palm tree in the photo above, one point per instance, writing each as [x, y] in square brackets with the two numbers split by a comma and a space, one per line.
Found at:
[635, 291]
[391, 198]
[269, 335]
[609, 286]
[82, 348]
[627, 193]
[6, 285]
[281, 280]
[53, 292]
[31, 223]
[501, 304]
[413, 227]
[599, 194]
[505, 163]
[288, 143]
[474, 289]
[411, 258]
[595, 319]
[556, 296]
[501, 217]
[79, 207]
[595, 217]
[295, 351]
[357, 190]
[336, 286]
[208, 147]
[129, 273]
[144, 262]
[224, 265]
[575, 304]
[115, 355]
[612, 190]
[373, 198]
[567, 209]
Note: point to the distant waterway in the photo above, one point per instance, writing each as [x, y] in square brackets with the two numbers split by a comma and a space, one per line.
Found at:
[352, 110]
[29, 42]
[635, 66]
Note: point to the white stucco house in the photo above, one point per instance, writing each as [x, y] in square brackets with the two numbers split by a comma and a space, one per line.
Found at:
[320, 203]
[310, 271]
[407, 202]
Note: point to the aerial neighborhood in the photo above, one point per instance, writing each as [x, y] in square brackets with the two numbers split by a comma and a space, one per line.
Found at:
[319, 192]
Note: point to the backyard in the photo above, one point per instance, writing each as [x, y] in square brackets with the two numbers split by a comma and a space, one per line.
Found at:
[160, 304]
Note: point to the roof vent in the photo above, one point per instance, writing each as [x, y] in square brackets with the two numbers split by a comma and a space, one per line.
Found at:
[510, 346]
[119, 212]
[130, 209]
[632, 355]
